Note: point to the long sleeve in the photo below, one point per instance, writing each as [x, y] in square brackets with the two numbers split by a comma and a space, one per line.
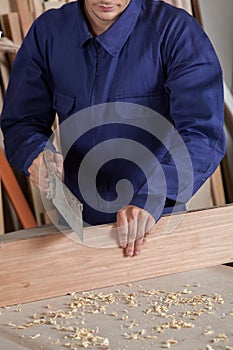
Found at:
[27, 114]
[193, 82]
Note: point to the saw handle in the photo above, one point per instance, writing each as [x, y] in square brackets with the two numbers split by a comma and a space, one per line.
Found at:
[49, 161]
[51, 168]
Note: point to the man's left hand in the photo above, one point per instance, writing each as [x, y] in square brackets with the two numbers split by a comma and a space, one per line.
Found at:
[133, 224]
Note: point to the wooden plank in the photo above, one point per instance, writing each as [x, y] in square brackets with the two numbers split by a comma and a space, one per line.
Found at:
[53, 4]
[2, 226]
[202, 198]
[12, 30]
[6, 46]
[38, 202]
[15, 193]
[228, 182]
[31, 5]
[39, 263]
[183, 4]
[11, 27]
[227, 161]
[4, 70]
[37, 7]
[25, 15]
[228, 98]
[217, 190]
[5, 6]
[1, 101]
[196, 11]
[2, 229]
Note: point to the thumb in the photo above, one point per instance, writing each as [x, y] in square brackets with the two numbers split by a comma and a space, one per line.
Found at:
[58, 158]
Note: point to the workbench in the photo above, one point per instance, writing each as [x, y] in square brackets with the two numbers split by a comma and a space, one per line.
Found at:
[193, 308]
[57, 292]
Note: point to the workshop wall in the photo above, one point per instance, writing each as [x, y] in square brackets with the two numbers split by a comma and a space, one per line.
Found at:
[217, 21]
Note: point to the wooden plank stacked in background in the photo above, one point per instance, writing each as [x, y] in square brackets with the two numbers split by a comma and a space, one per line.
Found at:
[2, 228]
[15, 193]
[54, 4]
[5, 46]
[184, 4]
[11, 27]
[6, 6]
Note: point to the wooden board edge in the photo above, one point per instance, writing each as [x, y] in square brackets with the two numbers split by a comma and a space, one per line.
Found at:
[53, 265]
[159, 229]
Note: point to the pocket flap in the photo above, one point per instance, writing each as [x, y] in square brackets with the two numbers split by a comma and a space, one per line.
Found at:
[63, 103]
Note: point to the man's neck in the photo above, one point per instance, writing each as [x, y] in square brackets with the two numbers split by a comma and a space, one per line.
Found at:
[97, 26]
[101, 15]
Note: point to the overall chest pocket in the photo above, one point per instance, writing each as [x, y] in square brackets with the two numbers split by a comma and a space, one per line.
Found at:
[158, 101]
[63, 104]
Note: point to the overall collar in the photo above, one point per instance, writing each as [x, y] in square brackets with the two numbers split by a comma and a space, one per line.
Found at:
[116, 36]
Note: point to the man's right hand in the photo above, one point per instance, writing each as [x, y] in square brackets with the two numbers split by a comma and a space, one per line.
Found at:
[38, 171]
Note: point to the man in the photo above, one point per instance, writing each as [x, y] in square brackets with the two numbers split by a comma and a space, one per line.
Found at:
[91, 52]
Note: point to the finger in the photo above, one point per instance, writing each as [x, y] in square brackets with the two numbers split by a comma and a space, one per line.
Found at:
[41, 184]
[137, 246]
[42, 174]
[141, 230]
[130, 249]
[142, 224]
[150, 224]
[122, 228]
[38, 173]
[42, 188]
[132, 217]
[145, 238]
[58, 158]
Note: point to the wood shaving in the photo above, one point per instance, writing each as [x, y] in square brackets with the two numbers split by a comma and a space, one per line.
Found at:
[34, 336]
[125, 317]
[178, 308]
[186, 291]
[151, 337]
[208, 332]
[208, 347]
[12, 324]
[220, 338]
[136, 336]
[169, 342]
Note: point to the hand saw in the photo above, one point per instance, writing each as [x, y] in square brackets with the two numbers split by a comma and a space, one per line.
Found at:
[62, 198]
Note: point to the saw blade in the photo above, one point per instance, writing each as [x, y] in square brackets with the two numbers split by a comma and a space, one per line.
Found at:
[62, 198]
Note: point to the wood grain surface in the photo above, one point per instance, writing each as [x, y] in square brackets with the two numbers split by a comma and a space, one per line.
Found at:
[40, 263]
[11, 27]
[25, 15]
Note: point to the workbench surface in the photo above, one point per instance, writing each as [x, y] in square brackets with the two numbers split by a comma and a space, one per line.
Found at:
[186, 311]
